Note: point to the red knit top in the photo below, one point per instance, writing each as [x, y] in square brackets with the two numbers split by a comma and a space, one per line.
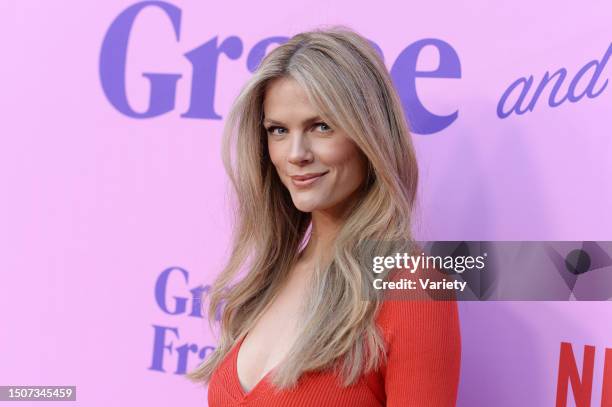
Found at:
[422, 369]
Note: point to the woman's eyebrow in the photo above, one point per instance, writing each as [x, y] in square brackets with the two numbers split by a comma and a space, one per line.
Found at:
[307, 121]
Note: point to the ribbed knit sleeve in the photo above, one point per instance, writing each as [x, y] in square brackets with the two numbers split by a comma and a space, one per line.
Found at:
[424, 354]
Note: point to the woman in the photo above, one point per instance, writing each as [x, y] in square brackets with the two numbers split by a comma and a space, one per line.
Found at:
[323, 162]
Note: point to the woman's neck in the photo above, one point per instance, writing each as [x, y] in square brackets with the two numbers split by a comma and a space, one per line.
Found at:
[325, 227]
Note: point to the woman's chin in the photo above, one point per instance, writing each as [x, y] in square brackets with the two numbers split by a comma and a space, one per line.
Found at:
[305, 206]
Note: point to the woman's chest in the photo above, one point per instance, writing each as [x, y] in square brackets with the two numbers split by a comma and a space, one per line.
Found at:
[273, 333]
[314, 389]
[268, 342]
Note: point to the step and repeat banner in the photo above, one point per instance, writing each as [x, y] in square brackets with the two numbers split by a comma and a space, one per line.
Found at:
[114, 212]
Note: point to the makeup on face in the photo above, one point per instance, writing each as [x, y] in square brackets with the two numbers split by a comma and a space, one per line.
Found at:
[319, 165]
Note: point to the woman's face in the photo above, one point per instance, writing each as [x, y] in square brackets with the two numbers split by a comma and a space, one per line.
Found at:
[321, 167]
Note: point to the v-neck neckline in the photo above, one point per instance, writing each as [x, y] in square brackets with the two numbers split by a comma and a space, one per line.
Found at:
[259, 386]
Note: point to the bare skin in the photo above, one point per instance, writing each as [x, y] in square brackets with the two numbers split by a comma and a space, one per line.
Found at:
[273, 334]
[299, 147]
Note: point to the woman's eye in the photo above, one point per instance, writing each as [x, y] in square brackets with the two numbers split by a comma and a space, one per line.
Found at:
[325, 127]
[271, 129]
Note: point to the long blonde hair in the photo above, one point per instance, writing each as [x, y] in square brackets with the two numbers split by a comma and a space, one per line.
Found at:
[346, 79]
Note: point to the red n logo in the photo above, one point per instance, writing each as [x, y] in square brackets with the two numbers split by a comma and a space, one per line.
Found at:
[582, 387]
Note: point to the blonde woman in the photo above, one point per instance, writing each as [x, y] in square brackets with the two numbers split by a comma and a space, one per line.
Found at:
[318, 151]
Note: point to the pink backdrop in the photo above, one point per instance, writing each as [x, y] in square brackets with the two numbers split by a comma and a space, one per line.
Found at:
[97, 204]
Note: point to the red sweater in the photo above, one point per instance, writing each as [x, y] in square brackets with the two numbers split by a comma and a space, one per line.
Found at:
[422, 369]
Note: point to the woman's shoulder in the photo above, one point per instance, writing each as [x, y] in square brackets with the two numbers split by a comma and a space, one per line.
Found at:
[423, 351]
[411, 313]
[417, 317]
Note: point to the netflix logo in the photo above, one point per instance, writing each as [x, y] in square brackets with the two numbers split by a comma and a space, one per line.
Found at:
[581, 380]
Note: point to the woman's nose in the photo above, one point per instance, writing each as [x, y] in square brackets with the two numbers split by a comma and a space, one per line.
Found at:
[299, 151]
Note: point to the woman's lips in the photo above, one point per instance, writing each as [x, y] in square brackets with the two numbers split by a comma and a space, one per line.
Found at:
[307, 179]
